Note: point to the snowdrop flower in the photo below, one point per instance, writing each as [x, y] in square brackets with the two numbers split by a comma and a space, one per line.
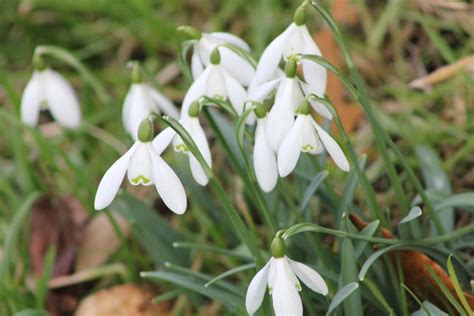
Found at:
[307, 136]
[204, 43]
[280, 275]
[193, 127]
[47, 89]
[264, 158]
[215, 82]
[143, 166]
[296, 39]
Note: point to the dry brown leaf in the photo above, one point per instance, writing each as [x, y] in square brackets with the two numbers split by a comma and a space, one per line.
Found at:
[100, 241]
[122, 300]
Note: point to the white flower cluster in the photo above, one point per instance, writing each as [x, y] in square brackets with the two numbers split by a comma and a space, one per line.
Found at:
[284, 129]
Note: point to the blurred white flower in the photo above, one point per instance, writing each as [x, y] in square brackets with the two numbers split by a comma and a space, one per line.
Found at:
[294, 40]
[144, 166]
[47, 89]
[237, 66]
[279, 275]
[141, 100]
[307, 136]
[215, 82]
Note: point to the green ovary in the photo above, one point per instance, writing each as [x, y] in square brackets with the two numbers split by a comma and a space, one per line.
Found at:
[137, 179]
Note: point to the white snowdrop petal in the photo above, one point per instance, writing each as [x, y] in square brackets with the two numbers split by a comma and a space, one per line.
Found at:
[290, 148]
[332, 148]
[195, 91]
[321, 109]
[230, 38]
[309, 139]
[314, 74]
[112, 179]
[62, 100]
[163, 103]
[271, 56]
[285, 296]
[216, 83]
[260, 93]
[199, 137]
[256, 290]
[235, 92]
[139, 168]
[141, 107]
[127, 106]
[197, 171]
[296, 93]
[31, 100]
[196, 65]
[237, 66]
[163, 139]
[264, 160]
[167, 183]
[294, 44]
[310, 277]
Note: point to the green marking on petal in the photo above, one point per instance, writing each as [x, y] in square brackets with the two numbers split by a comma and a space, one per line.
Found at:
[182, 148]
[307, 148]
[140, 177]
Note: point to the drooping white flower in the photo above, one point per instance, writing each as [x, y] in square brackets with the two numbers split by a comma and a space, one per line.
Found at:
[280, 275]
[215, 82]
[307, 136]
[141, 100]
[143, 166]
[296, 39]
[204, 43]
[47, 89]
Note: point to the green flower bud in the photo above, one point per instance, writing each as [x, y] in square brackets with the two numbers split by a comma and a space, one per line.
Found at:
[278, 248]
[215, 57]
[194, 109]
[290, 68]
[38, 62]
[145, 131]
[260, 111]
[303, 108]
[190, 32]
[300, 15]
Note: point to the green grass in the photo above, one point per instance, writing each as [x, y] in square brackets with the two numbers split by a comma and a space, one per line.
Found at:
[419, 148]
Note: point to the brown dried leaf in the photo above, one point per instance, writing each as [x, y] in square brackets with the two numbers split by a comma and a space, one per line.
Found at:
[122, 300]
[100, 241]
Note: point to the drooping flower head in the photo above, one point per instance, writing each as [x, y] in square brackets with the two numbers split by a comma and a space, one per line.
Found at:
[281, 275]
[143, 166]
[47, 89]
[204, 43]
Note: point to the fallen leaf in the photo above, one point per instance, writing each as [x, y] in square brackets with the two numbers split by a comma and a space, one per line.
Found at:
[122, 300]
[100, 241]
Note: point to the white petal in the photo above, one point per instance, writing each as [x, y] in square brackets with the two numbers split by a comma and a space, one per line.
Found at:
[141, 107]
[290, 148]
[196, 64]
[310, 277]
[280, 118]
[199, 137]
[309, 139]
[195, 91]
[321, 109]
[285, 296]
[314, 74]
[127, 105]
[215, 82]
[167, 183]
[296, 93]
[112, 180]
[260, 93]
[256, 290]
[237, 66]
[235, 92]
[62, 100]
[271, 56]
[163, 139]
[264, 160]
[204, 47]
[229, 38]
[163, 103]
[31, 100]
[294, 44]
[139, 168]
[332, 148]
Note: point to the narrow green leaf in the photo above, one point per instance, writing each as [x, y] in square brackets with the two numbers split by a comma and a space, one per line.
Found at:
[376, 255]
[168, 296]
[368, 231]
[341, 295]
[41, 286]
[457, 287]
[230, 272]
[32, 312]
[353, 304]
[378, 295]
[414, 213]
[312, 187]
[429, 309]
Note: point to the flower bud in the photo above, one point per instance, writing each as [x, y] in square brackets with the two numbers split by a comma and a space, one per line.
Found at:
[194, 109]
[300, 15]
[38, 62]
[278, 248]
[190, 32]
[290, 68]
[215, 57]
[145, 131]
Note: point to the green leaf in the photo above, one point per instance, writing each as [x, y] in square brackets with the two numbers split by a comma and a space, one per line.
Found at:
[456, 200]
[168, 296]
[414, 213]
[33, 312]
[429, 309]
[457, 287]
[312, 187]
[42, 282]
[368, 231]
[341, 295]
[230, 272]
[376, 255]
[353, 304]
